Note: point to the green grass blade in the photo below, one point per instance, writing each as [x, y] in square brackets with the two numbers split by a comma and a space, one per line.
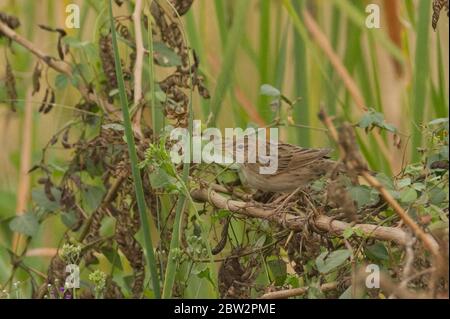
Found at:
[421, 73]
[234, 38]
[221, 21]
[359, 18]
[196, 44]
[264, 57]
[148, 245]
[301, 110]
[157, 114]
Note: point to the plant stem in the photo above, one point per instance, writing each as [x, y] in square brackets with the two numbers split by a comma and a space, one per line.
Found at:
[148, 245]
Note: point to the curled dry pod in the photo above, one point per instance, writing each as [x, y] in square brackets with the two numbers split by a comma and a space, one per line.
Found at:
[182, 6]
[10, 82]
[61, 34]
[48, 190]
[62, 49]
[438, 5]
[50, 103]
[44, 101]
[65, 140]
[107, 58]
[223, 238]
[123, 31]
[36, 78]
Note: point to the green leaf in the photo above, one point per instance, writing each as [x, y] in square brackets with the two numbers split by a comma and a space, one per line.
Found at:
[165, 56]
[227, 177]
[26, 224]
[347, 294]
[386, 181]
[159, 179]
[205, 274]
[363, 195]
[269, 90]
[113, 257]
[408, 195]
[277, 270]
[404, 182]
[326, 262]
[437, 196]
[375, 119]
[61, 81]
[377, 251]
[91, 51]
[69, 218]
[92, 197]
[40, 198]
[348, 232]
[260, 242]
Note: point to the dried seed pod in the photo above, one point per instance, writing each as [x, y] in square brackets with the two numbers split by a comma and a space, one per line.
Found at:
[50, 103]
[438, 5]
[65, 140]
[48, 190]
[11, 21]
[123, 31]
[182, 6]
[107, 58]
[62, 50]
[130, 247]
[36, 78]
[44, 101]
[223, 238]
[10, 82]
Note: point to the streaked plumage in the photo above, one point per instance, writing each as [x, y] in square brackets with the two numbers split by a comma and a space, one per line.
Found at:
[297, 166]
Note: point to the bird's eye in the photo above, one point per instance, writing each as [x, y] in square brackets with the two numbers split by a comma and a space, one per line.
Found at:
[240, 146]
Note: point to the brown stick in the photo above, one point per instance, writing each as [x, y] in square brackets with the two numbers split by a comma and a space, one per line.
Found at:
[138, 67]
[293, 222]
[23, 188]
[283, 294]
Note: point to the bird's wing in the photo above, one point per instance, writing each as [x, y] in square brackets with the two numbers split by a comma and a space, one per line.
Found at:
[291, 157]
[294, 157]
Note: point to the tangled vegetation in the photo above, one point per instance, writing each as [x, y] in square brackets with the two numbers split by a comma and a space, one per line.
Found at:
[139, 226]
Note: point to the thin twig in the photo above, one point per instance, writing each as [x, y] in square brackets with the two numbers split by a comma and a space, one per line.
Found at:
[23, 188]
[138, 67]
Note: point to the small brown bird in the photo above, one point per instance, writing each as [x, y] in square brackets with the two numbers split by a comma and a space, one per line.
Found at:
[297, 167]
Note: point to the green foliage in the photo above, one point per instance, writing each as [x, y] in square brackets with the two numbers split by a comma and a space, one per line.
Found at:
[328, 261]
[26, 224]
